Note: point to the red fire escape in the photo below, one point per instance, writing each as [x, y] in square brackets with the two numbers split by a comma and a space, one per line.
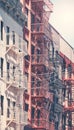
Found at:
[41, 98]
[68, 78]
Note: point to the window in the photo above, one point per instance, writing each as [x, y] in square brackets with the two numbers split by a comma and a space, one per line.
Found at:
[1, 30]
[69, 70]
[38, 83]
[14, 109]
[13, 72]
[26, 107]
[32, 18]
[33, 81]
[8, 109]
[38, 114]
[8, 67]
[52, 52]
[26, 23]
[13, 104]
[7, 37]
[32, 112]
[32, 49]
[26, 11]
[63, 66]
[38, 55]
[13, 35]
[1, 67]
[2, 102]
[8, 102]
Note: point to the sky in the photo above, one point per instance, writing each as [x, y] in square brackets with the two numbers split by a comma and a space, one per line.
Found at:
[62, 19]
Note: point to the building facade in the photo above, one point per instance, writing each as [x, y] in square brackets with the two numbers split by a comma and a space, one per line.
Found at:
[46, 71]
[66, 74]
[44, 95]
[13, 49]
[36, 69]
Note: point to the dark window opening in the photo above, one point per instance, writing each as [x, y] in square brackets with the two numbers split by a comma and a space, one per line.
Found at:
[8, 112]
[64, 120]
[27, 57]
[38, 114]
[69, 70]
[51, 116]
[1, 30]
[39, 42]
[26, 107]
[63, 66]
[8, 109]
[38, 55]
[13, 35]
[32, 18]
[26, 23]
[8, 66]
[2, 102]
[55, 99]
[7, 38]
[1, 67]
[8, 73]
[33, 81]
[32, 113]
[13, 72]
[33, 38]
[14, 109]
[64, 92]
[26, 11]
[13, 104]
[38, 83]
[32, 49]
[38, 51]
[53, 52]
[8, 102]
[56, 54]
[27, 127]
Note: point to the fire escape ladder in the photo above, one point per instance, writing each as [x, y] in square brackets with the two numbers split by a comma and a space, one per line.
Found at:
[8, 86]
[9, 122]
[10, 47]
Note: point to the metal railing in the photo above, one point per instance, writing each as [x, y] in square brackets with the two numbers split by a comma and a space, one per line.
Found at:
[40, 28]
[58, 107]
[14, 79]
[26, 117]
[38, 91]
[17, 115]
[43, 123]
[40, 59]
[41, 89]
[11, 113]
[48, 3]
[16, 41]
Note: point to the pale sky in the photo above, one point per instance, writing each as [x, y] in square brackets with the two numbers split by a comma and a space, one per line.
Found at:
[62, 19]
